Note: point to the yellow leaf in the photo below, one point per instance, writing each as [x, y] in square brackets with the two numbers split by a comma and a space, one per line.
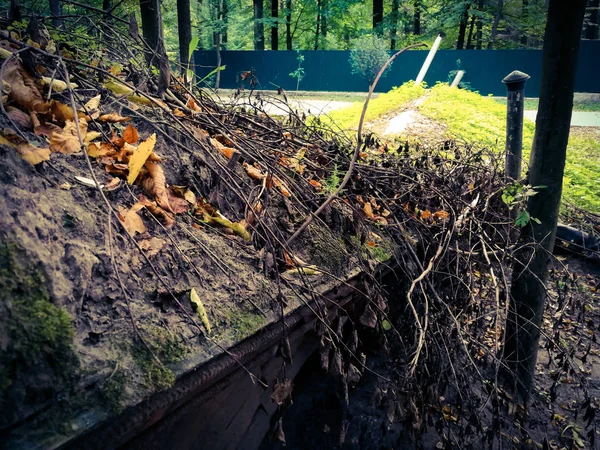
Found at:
[91, 136]
[93, 104]
[113, 118]
[368, 209]
[139, 100]
[118, 88]
[4, 141]
[57, 85]
[195, 299]
[5, 54]
[178, 113]
[33, 155]
[139, 157]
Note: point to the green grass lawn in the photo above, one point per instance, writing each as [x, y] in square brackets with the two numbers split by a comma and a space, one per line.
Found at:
[482, 120]
[532, 103]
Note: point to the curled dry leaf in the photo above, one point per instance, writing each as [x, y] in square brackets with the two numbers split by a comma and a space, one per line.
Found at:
[23, 89]
[159, 185]
[318, 186]
[91, 136]
[66, 141]
[225, 151]
[131, 135]
[179, 113]
[61, 113]
[139, 157]
[199, 306]
[57, 85]
[118, 88]
[99, 149]
[157, 211]
[87, 182]
[117, 169]
[282, 393]
[113, 118]
[282, 187]
[131, 220]
[253, 172]
[192, 104]
[224, 140]
[368, 210]
[112, 184]
[20, 118]
[33, 155]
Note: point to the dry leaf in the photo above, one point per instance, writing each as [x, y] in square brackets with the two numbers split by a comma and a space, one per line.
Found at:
[139, 157]
[192, 104]
[112, 184]
[20, 118]
[179, 113]
[253, 172]
[57, 85]
[195, 299]
[282, 393]
[66, 141]
[33, 155]
[118, 88]
[282, 187]
[93, 104]
[130, 134]
[152, 246]
[117, 169]
[87, 182]
[441, 214]
[157, 211]
[89, 137]
[23, 89]
[316, 184]
[225, 151]
[97, 150]
[159, 185]
[368, 210]
[426, 214]
[131, 220]
[371, 244]
[113, 118]
[224, 140]
[61, 112]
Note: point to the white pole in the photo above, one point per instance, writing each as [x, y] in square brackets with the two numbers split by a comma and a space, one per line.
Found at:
[428, 60]
[458, 77]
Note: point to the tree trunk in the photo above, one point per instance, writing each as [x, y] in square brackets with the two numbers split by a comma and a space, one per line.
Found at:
[470, 37]
[152, 30]
[14, 14]
[479, 24]
[288, 24]
[184, 26]
[56, 12]
[377, 16]
[259, 27]
[225, 23]
[417, 17]
[546, 168]
[460, 43]
[524, 14]
[591, 26]
[149, 12]
[318, 25]
[394, 28]
[324, 19]
[275, 26]
[497, 18]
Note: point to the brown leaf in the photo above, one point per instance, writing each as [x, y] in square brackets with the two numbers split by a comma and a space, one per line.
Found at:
[157, 211]
[66, 140]
[179, 113]
[20, 118]
[368, 210]
[152, 246]
[23, 89]
[117, 169]
[224, 140]
[316, 184]
[282, 187]
[113, 118]
[441, 214]
[131, 135]
[253, 172]
[159, 185]
[61, 113]
[426, 214]
[192, 104]
[282, 393]
[131, 220]
[99, 149]
[225, 151]
[178, 205]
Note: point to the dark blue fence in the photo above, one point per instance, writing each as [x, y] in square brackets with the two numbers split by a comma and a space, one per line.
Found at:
[329, 70]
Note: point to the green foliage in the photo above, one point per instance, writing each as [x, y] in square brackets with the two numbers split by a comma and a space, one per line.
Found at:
[331, 183]
[394, 100]
[368, 55]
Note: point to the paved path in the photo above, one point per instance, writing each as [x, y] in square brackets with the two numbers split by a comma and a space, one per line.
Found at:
[578, 119]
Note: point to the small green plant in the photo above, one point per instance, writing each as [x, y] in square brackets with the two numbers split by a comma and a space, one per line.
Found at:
[298, 74]
[516, 195]
[368, 55]
[331, 183]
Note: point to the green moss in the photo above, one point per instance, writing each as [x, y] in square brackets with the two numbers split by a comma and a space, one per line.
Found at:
[394, 100]
[325, 249]
[113, 392]
[157, 377]
[242, 323]
[39, 334]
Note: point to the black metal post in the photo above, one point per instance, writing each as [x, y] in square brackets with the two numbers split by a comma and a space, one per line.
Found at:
[515, 86]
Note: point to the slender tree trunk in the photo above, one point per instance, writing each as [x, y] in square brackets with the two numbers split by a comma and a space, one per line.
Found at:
[524, 15]
[460, 43]
[318, 26]
[288, 24]
[470, 37]
[275, 26]
[148, 13]
[546, 168]
[324, 6]
[394, 28]
[417, 17]
[184, 26]
[14, 14]
[225, 23]
[591, 26]
[377, 16]
[56, 12]
[259, 26]
[479, 24]
[497, 18]
[152, 30]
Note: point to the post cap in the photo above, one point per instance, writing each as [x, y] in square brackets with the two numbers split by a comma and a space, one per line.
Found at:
[515, 80]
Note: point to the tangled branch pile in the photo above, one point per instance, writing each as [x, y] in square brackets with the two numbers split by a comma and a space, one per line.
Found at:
[181, 173]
